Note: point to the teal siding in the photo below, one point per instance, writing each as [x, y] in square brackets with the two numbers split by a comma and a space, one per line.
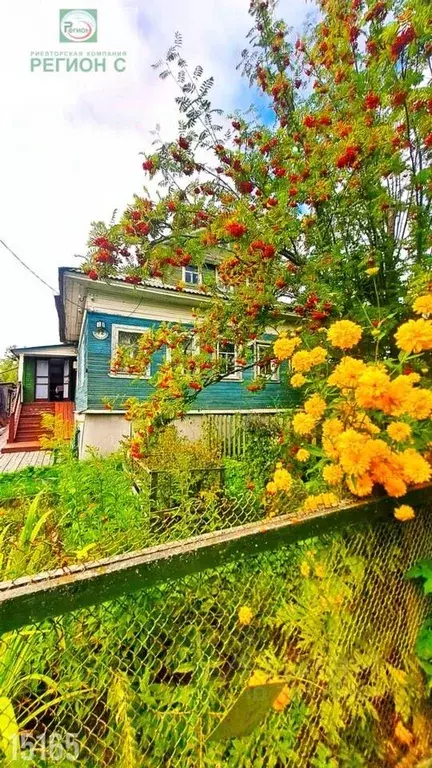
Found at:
[224, 395]
[81, 387]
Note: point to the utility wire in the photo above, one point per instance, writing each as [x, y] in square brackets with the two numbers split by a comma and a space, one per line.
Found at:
[29, 269]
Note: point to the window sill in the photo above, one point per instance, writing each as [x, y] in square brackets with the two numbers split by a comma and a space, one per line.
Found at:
[128, 376]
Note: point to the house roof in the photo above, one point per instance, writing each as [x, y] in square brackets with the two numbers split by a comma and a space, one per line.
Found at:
[71, 307]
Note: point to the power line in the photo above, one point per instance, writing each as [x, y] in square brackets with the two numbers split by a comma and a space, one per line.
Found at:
[26, 266]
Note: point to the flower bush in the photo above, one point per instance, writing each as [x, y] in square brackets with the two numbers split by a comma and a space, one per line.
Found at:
[365, 422]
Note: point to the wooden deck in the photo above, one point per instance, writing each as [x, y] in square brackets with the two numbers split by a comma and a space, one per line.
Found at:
[11, 462]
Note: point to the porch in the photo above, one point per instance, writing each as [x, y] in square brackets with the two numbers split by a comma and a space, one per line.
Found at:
[46, 385]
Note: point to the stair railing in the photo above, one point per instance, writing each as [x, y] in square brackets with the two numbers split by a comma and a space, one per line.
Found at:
[15, 414]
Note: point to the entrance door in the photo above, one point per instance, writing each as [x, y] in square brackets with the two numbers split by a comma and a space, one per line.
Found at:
[42, 380]
[66, 379]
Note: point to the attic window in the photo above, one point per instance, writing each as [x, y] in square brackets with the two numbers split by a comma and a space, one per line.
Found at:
[191, 275]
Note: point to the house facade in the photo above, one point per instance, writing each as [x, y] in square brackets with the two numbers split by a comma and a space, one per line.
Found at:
[95, 317]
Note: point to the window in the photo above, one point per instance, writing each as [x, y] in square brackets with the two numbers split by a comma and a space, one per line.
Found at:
[128, 338]
[191, 275]
[190, 347]
[264, 365]
[226, 354]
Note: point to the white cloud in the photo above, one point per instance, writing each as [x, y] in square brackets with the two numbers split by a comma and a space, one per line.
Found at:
[70, 141]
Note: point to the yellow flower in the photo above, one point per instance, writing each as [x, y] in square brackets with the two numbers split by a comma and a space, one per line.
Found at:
[418, 404]
[320, 571]
[258, 677]
[344, 334]
[303, 423]
[245, 615]
[372, 271]
[284, 347]
[271, 488]
[354, 458]
[315, 406]
[414, 467]
[415, 336]
[360, 486]
[297, 380]
[399, 431]
[423, 305]
[320, 500]
[301, 362]
[347, 373]
[318, 355]
[282, 700]
[372, 385]
[305, 569]
[302, 454]
[404, 512]
[332, 474]
[332, 427]
[282, 479]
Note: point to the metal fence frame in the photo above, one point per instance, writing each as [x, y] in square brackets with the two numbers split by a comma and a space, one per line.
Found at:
[28, 600]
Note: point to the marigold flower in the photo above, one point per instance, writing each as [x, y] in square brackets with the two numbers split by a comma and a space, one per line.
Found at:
[404, 512]
[414, 467]
[354, 458]
[315, 406]
[372, 271]
[282, 479]
[332, 474]
[347, 373]
[332, 427]
[303, 423]
[297, 380]
[318, 355]
[305, 569]
[344, 334]
[320, 500]
[423, 305]
[399, 431]
[302, 454]
[245, 615]
[418, 404]
[301, 361]
[360, 486]
[415, 336]
[271, 488]
[372, 386]
[284, 347]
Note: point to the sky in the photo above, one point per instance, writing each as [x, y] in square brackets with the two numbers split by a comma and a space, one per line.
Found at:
[70, 141]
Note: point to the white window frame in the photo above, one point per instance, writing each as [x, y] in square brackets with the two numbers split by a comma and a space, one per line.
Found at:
[275, 376]
[236, 375]
[199, 273]
[195, 349]
[115, 330]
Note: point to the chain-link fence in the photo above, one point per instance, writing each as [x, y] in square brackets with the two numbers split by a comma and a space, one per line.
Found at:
[294, 653]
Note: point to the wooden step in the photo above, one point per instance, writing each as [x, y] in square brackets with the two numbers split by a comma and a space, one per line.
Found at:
[32, 445]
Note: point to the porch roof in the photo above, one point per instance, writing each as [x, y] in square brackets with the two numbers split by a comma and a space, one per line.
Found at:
[47, 350]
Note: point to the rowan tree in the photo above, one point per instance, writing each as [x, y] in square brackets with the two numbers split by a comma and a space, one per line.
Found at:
[324, 213]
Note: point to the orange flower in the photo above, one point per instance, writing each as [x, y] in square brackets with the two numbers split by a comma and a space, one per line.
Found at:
[403, 513]
[332, 474]
[303, 423]
[399, 431]
[423, 305]
[315, 406]
[347, 373]
[344, 334]
[415, 336]
[360, 486]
